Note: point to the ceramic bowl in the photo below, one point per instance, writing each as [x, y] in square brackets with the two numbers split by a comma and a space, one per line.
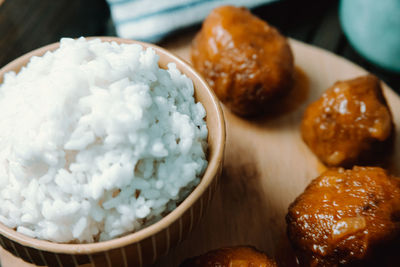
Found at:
[145, 246]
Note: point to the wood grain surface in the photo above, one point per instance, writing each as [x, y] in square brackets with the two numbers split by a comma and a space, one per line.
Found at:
[266, 164]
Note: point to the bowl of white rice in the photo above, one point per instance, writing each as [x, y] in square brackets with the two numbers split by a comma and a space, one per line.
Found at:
[110, 152]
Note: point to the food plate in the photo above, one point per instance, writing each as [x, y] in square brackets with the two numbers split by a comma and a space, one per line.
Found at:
[266, 163]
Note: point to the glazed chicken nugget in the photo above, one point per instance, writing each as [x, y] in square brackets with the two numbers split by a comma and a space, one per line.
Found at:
[345, 216]
[241, 256]
[349, 123]
[247, 62]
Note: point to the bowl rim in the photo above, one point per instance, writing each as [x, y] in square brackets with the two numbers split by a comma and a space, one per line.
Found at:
[210, 173]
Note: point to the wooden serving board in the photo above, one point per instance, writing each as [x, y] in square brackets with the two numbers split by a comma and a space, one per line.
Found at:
[267, 165]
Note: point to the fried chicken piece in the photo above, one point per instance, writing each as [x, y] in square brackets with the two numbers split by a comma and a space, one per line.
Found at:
[345, 217]
[231, 257]
[349, 123]
[247, 62]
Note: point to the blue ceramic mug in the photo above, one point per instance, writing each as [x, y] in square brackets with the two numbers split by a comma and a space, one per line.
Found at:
[373, 29]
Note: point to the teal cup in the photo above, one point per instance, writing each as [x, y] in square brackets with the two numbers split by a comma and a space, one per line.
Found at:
[373, 29]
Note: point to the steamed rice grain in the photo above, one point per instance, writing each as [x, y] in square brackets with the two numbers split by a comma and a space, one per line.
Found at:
[96, 141]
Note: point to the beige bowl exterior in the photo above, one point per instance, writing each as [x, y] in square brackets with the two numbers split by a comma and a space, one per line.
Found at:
[145, 246]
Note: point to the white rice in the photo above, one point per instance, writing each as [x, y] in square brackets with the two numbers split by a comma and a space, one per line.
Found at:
[96, 141]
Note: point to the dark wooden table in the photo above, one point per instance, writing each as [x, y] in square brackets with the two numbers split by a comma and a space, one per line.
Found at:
[29, 24]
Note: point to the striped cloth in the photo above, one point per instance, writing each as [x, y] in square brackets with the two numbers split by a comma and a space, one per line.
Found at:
[151, 20]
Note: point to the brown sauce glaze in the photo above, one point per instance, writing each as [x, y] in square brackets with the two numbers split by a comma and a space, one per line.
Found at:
[350, 124]
[247, 62]
[292, 101]
[346, 218]
[231, 257]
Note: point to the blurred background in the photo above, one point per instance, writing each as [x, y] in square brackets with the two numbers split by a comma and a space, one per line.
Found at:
[29, 24]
